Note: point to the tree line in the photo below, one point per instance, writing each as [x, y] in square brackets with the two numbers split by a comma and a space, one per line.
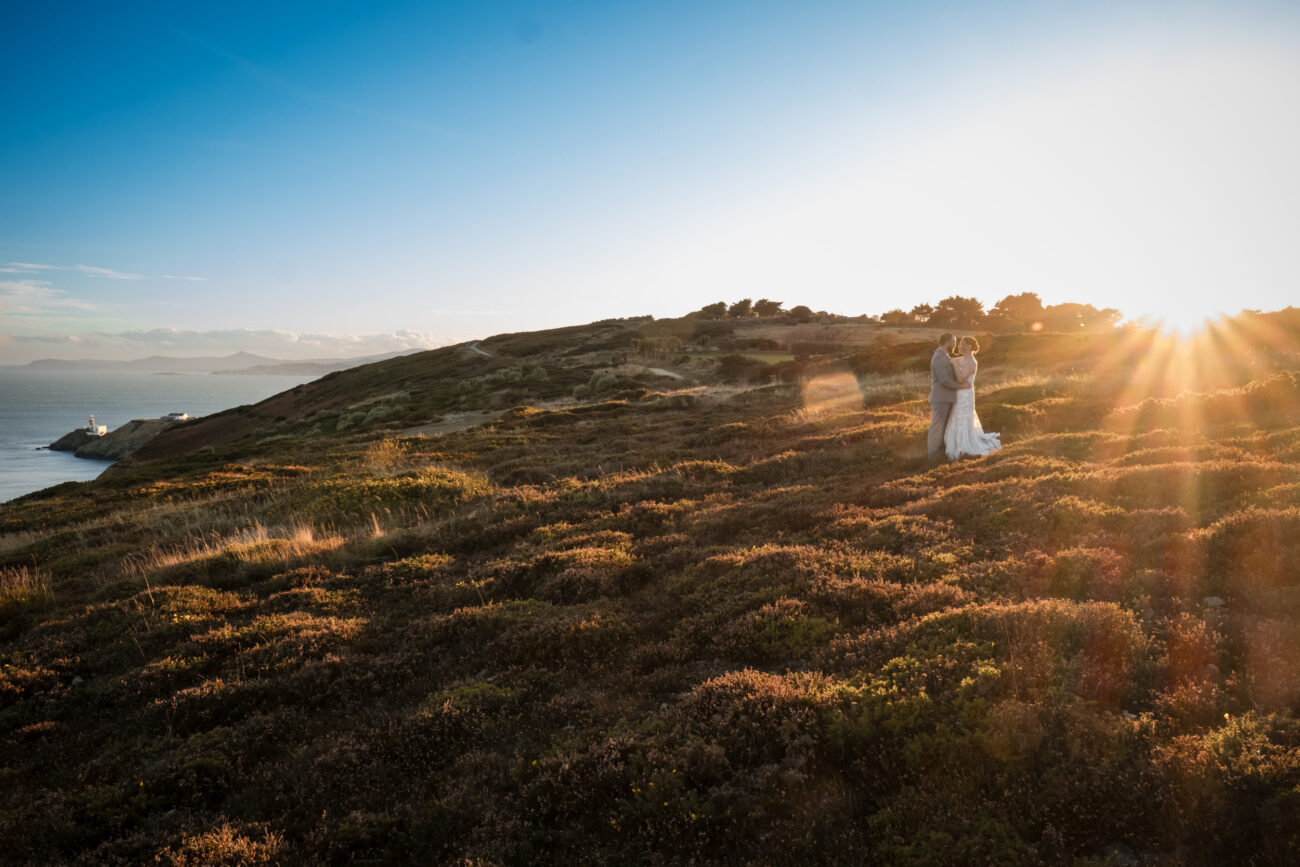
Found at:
[1021, 312]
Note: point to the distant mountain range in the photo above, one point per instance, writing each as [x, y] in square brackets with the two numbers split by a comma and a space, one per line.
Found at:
[239, 362]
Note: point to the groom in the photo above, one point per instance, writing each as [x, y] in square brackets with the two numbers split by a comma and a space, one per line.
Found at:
[943, 394]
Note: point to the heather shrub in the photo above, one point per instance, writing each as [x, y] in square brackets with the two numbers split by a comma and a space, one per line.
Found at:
[1271, 664]
[420, 566]
[226, 844]
[756, 718]
[568, 575]
[857, 601]
[1077, 573]
[530, 631]
[1251, 551]
[1191, 694]
[1095, 650]
[1213, 781]
[1269, 402]
[782, 630]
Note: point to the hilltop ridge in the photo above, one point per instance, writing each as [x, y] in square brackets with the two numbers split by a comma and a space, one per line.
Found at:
[573, 364]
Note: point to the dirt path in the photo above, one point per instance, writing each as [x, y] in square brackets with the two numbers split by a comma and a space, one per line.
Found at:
[483, 352]
[662, 372]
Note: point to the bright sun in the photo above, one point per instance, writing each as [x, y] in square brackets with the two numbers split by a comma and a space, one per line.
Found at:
[1184, 321]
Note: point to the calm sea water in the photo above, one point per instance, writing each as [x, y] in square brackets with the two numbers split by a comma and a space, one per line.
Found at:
[39, 406]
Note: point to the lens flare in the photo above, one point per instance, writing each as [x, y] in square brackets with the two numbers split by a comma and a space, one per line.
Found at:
[831, 393]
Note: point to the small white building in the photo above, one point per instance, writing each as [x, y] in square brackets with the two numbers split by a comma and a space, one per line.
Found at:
[177, 416]
[96, 430]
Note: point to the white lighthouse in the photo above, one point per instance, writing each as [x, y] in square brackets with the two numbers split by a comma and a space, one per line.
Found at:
[96, 430]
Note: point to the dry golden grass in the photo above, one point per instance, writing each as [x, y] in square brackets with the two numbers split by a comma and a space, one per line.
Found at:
[21, 586]
[256, 545]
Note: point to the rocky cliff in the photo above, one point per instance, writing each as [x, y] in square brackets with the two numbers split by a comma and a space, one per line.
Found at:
[72, 441]
[115, 445]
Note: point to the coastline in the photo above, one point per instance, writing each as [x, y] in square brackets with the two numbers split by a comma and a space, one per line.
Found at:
[39, 406]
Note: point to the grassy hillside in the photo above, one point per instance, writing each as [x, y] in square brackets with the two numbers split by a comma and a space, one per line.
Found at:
[730, 618]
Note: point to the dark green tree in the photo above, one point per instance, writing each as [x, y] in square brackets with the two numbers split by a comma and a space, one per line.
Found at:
[958, 312]
[1016, 312]
[742, 309]
[1071, 316]
[763, 307]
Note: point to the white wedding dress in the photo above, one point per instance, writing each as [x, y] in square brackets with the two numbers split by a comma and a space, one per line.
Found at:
[964, 436]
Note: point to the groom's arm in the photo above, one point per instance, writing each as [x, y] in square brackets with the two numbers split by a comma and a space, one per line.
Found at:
[943, 373]
[963, 379]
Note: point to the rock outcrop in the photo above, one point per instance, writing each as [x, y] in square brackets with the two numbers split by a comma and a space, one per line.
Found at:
[115, 445]
[72, 441]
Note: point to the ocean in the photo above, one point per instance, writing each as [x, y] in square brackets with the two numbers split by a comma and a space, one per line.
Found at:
[39, 406]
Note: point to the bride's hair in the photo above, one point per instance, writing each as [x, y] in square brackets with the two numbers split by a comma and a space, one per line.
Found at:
[974, 344]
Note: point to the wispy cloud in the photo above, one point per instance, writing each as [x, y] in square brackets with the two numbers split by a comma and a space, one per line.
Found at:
[92, 270]
[37, 296]
[106, 272]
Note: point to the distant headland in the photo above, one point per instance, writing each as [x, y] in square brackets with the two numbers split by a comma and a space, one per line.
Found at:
[244, 363]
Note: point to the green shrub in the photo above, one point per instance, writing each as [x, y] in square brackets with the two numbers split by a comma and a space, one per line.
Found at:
[782, 630]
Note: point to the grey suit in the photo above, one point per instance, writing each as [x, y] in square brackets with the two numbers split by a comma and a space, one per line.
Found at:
[943, 394]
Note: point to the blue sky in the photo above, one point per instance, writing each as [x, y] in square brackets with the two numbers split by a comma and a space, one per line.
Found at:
[305, 179]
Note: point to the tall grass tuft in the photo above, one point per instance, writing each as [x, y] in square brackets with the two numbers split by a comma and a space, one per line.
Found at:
[23, 587]
[257, 545]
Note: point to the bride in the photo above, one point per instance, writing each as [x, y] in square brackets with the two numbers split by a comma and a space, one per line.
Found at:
[964, 436]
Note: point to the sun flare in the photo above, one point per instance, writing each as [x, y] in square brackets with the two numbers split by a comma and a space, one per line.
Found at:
[1185, 321]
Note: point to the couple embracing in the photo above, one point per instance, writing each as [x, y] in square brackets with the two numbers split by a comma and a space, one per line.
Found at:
[955, 428]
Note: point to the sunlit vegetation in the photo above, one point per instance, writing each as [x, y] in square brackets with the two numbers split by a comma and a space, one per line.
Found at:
[733, 618]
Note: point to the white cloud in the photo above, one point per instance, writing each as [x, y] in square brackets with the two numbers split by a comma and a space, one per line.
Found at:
[106, 272]
[93, 270]
[35, 297]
